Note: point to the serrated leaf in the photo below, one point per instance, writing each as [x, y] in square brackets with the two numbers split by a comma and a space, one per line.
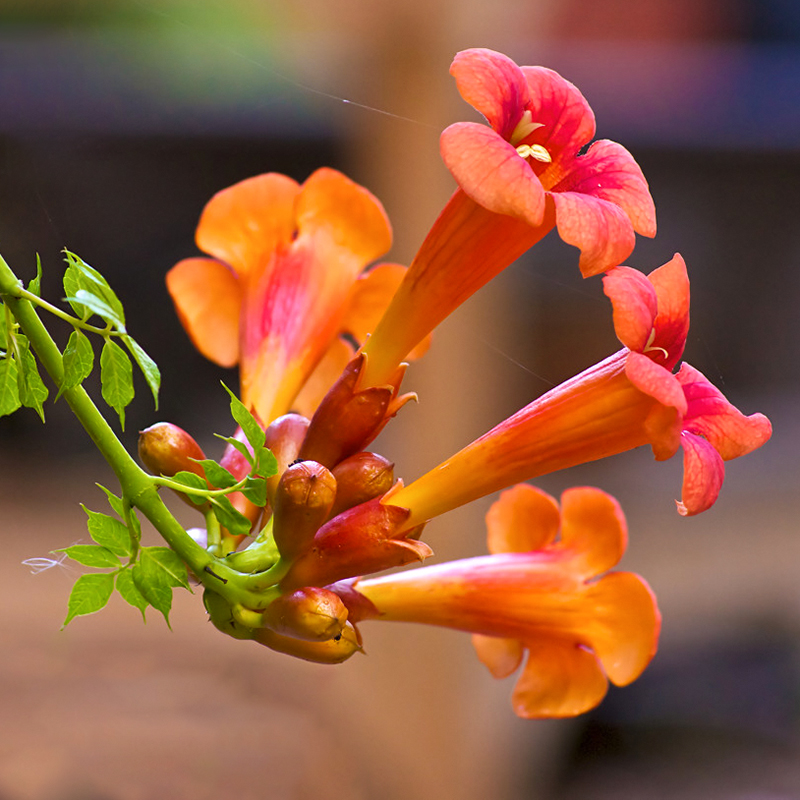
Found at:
[255, 490]
[240, 446]
[108, 532]
[246, 421]
[89, 594]
[236, 522]
[153, 586]
[191, 481]
[9, 386]
[92, 555]
[35, 286]
[130, 593]
[87, 300]
[114, 501]
[116, 377]
[266, 464]
[32, 391]
[167, 562]
[146, 364]
[88, 279]
[78, 361]
[216, 474]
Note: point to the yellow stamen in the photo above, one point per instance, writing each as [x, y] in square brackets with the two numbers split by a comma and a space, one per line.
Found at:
[535, 151]
[648, 348]
[525, 127]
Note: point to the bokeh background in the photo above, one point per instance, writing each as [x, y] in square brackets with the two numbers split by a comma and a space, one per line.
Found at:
[120, 118]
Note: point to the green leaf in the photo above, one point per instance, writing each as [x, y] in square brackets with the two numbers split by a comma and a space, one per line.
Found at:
[9, 386]
[236, 522]
[216, 474]
[114, 501]
[130, 594]
[255, 490]
[167, 563]
[116, 376]
[88, 279]
[96, 305]
[32, 391]
[157, 593]
[266, 463]
[4, 326]
[192, 481]
[240, 446]
[89, 594]
[246, 421]
[91, 555]
[35, 286]
[146, 364]
[109, 532]
[78, 361]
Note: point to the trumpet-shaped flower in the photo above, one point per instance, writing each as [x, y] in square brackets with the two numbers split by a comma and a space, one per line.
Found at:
[538, 592]
[285, 279]
[518, 178]
[630, 399]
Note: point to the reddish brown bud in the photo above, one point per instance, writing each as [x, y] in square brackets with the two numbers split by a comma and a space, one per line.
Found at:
[349, 418]
[310, 613]
[166, 449]
[284, 436]
[303, 500]
[333, 651]
[365, 539]
[359, 478]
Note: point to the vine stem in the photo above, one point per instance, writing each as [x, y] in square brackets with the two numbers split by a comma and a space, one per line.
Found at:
[135, 482]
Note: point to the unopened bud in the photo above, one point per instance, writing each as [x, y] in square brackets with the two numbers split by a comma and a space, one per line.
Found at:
[303, 500]
[310, 613]
[333, 651]
[166, 449]
[359, 478]
[284, 436]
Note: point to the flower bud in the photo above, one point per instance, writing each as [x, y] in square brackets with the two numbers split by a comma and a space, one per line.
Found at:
[310, 613]
[303, 499]
[284, 436]
[333, 651]
[166, 449]
[359, 478]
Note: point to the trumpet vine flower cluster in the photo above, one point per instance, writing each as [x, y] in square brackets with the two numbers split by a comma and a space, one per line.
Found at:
[289, 289]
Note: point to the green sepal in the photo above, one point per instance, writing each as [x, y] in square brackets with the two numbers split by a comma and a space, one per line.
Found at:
[89, 594]
[116, 376]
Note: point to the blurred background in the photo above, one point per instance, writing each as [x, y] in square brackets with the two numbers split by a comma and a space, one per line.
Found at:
[118, 121]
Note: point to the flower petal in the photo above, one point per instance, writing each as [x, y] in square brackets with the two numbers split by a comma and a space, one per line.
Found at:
[671, 283]
[561, 679]
[500, 656]
[635, 305]
[703, 474]
[352, 216]
[208, 298]
[523, 519]
[244, 223]
[598, 228]
[625, 627]
[493, 85]
[710, 415]
[593, 528]
[491, 172]
[558, 105]
[609, 172]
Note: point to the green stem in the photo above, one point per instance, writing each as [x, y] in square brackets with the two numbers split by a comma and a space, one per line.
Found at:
[24, 294]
